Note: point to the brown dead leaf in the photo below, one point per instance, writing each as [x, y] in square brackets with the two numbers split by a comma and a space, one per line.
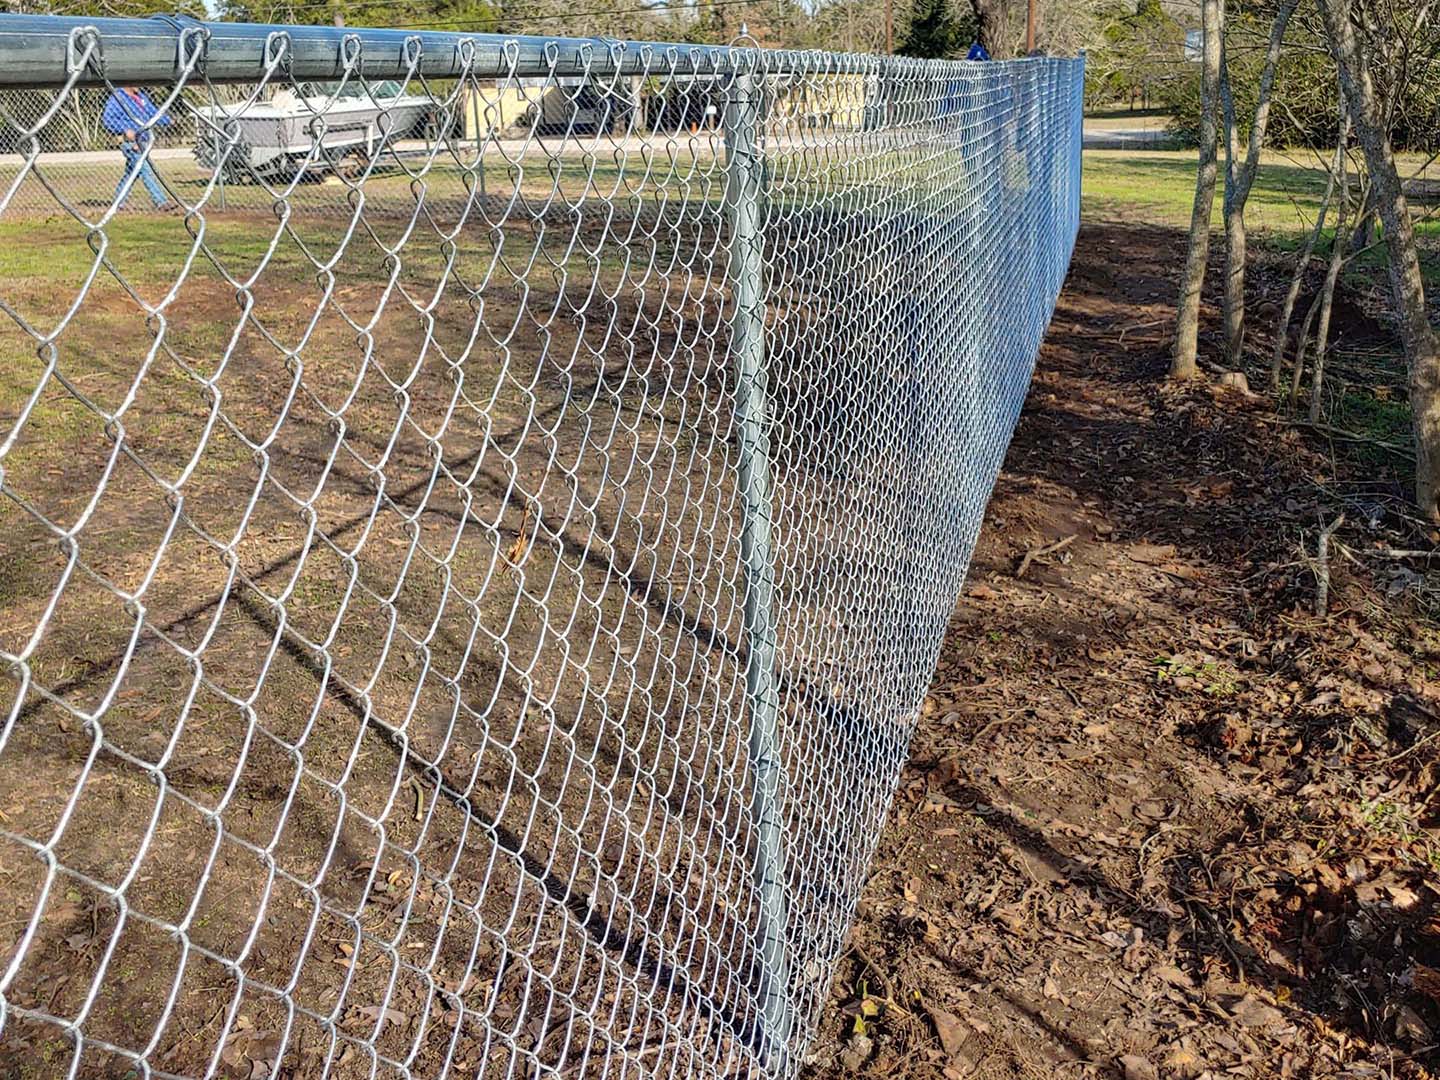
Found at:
[856, 1052]
[1136, 1067]
[1184, 1062]
[1151, 554]
[1253, 1013]
[1411, 1028]
[233, 1053]
[392, 1016]
[1402, 897]
[1175, 977]
[1152, 810]
[515, 555]
[951, 1029]
[1427, 981]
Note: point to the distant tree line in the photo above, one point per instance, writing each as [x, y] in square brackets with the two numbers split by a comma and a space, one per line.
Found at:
[1136, 56]
[922, 28]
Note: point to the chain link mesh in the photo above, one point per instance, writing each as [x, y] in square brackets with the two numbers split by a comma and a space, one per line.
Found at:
[472, 560]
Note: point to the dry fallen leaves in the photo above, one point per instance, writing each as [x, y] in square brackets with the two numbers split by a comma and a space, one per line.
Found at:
[951, 1029]
[1136, 1067]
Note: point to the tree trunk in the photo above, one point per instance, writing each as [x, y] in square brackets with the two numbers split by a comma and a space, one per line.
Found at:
[1327, 295]
[991, 19]
[1301, 345]
[1234, 304]
[1297, 280]
[1422, 344]
[1240, 178]
[1187, 319]
[1364, 235]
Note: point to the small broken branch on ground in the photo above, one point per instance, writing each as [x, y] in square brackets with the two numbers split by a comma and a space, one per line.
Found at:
[1322, 567]
[1041, 552]
[1404, 453]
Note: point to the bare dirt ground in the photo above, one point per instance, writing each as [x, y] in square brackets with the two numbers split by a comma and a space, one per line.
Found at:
[222, 805]
[1161, 819]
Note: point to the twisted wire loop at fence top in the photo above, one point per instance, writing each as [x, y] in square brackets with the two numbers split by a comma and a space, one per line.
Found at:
[479, 518]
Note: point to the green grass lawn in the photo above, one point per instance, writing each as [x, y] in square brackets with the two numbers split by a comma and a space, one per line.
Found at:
[1158, 187]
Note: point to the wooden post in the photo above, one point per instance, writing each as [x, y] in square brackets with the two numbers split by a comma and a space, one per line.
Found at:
[1030, 28]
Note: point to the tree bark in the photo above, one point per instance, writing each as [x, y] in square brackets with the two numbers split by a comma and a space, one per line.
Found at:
[1301, 345]
[1421, 343]
[1327, 295]
[1287, 312]
[991, 19]
[1187, 318]
[1240, 178]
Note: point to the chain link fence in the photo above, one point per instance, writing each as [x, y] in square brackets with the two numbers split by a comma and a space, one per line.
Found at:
[479, 518]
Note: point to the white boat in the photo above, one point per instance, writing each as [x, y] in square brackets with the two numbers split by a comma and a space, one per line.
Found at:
[317, 127]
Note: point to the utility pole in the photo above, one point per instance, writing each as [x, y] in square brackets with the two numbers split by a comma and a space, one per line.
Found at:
[1030, 28]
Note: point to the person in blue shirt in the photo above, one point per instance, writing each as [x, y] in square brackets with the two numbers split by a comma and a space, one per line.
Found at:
[127, 114]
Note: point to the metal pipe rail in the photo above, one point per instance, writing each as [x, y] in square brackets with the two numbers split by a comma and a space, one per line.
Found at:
[45, 50]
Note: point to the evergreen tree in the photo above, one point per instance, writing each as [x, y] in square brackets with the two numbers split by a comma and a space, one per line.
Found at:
[934, 32]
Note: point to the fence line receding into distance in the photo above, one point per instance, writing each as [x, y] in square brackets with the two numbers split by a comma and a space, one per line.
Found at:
[478, 517]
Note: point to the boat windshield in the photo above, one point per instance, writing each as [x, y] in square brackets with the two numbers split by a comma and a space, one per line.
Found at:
[352, 89]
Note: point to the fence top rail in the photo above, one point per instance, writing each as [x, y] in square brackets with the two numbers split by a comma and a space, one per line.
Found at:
[49, 50]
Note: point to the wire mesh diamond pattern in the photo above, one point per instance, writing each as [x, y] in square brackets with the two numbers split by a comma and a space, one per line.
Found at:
[479, 519]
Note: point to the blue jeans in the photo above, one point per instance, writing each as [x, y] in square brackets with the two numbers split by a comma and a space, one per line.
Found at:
[136, 162]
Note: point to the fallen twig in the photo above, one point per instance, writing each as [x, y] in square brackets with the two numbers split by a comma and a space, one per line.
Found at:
[1399, 553]
[1322, 571]
[1418, 744]
[1041, 552]
[885, 983]
[1406, 453]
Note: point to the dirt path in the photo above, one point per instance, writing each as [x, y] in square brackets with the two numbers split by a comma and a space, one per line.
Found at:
[1160, 820]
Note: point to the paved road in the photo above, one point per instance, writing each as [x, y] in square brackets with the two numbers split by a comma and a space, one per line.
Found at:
[1146, 131]
[1107, 138]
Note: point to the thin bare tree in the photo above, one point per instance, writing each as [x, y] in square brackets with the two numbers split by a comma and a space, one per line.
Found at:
[1421, 342]
[1187, 319]
[1240, 177]
[1338, 247]
[1302, 265]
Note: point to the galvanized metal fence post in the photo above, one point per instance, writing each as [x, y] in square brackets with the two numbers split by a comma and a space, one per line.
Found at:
[744, 201]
